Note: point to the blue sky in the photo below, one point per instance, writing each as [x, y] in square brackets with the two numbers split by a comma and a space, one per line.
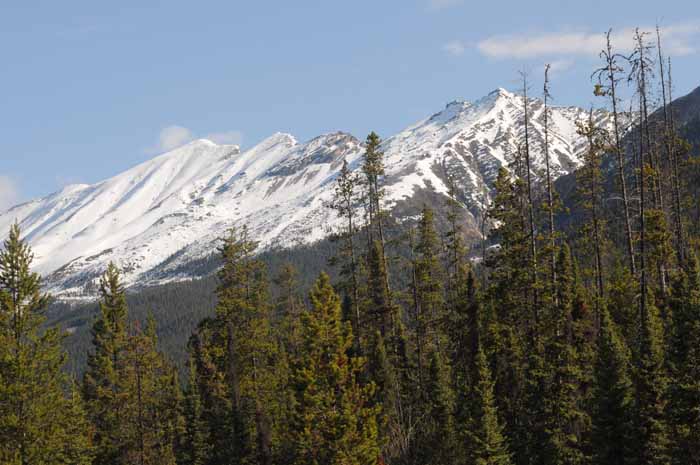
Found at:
[92, 88]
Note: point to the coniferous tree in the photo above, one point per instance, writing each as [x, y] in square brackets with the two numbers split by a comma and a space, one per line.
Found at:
[465, 329]
[289, 308]
[512, 314]
[334, 423]
[563, 405]
[344, 203]
[429, 298]
[651, 382]
[39, 423]
[486, 443]
[589, 179]
[195, 441]
[437, 437]
[151, 425]
[103, 385]
[613, 397]
[132, 392]
[684, 364]
[244, 335]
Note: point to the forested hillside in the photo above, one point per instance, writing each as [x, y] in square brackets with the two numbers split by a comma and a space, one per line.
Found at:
[568, 334]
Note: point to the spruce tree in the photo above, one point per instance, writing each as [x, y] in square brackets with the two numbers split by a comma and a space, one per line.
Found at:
[437, 435]
[151, 424]
[565, 416]
[195, 441]
[103, 384]
[334, 423]
[345, 202]
[486, 443]
[613, 397]
[512, 316]
[39, 423]
[684, 364]
[236, 358]
[429, 317]
[651, 382]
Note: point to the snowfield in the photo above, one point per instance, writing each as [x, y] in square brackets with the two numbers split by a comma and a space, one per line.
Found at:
[158, 216]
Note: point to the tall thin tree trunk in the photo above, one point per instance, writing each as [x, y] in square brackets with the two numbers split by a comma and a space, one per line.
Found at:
[641, 78]
[611, 69]
[417, 312]
[353, 270]
[680, 238]
[530, 202]
[650, 147]
[596, 221]
[550, 196]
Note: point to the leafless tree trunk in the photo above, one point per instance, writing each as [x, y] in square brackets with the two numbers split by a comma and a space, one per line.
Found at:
[528, 174]
[675, 174]
[550, 195]
[609, 74]
[639, 72]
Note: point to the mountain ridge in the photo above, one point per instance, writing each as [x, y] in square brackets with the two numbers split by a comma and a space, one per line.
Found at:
[173, 208]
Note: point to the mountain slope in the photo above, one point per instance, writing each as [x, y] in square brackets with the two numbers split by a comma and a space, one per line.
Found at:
[158, 216]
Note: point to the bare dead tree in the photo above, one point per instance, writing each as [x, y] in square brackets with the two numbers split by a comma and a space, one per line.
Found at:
[528, 175]
[608, 78]
[637, 75]
[592, 191]
[673, 156]
[550, 196]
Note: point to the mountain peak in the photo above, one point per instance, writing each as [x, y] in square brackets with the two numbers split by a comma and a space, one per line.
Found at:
[500, 93]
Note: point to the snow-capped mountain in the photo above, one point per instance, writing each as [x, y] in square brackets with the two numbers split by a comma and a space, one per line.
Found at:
[166, 212]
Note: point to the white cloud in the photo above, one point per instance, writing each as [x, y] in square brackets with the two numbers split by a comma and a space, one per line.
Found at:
[559, 66]
[227, 138]
[455, 47]
[442, 4]
[9, 193]
[173, 136]
[678, 39]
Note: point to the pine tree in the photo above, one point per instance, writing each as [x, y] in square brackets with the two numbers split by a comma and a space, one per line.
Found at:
[455, 249]
[562, 402]
[590, 188]
[250, 348]
[334, 422]
[150, 427]
[39, 424]
[196, 446]
[651, 382]
[344, 203]
[465, 329]
[236, 357]
[486, 443]
[613, 397]
[103, 387]
[511, 315]
[429, 304]
[684, 363]
[289, 308]
[437, 436]
[373, 169]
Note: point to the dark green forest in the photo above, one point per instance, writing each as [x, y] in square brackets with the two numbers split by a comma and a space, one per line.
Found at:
[569, 335]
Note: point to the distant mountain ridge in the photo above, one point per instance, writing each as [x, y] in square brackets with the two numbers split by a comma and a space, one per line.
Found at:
[164, 213]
